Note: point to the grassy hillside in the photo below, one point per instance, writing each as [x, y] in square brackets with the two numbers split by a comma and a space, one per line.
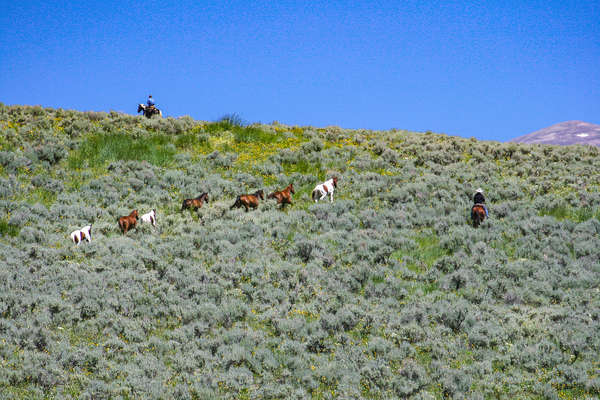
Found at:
[387, 292]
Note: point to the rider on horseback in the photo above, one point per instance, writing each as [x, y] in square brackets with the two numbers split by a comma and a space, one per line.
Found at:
[479, 199]
[150, 101]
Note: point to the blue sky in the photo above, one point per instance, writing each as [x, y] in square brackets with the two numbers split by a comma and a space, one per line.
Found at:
[493, 70]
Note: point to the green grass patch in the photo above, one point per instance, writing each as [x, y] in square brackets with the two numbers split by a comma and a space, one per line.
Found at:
[563, 211]
[7, 229]
[242, 133]
[226, 123]
[41, 195]
[218, 127]
[252, 134]
[195, 141]
[302, 166]
[98, 149]
[226, 148]
[422, 256]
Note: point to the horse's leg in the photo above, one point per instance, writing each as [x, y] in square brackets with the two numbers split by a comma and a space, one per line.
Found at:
[331, 197]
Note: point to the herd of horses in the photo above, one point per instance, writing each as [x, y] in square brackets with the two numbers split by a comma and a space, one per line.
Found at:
[248, 201]
[283, 197]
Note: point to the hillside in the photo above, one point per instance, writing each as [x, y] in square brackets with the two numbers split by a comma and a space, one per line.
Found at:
[564, 133]
[387, 292]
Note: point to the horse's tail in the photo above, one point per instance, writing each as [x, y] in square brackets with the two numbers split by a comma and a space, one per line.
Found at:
[236, 204]
[183, 205]
[314, 194]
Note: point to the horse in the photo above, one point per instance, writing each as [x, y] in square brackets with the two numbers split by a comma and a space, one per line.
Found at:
[196, 203]
[84, 233]
[150, 217]
[283, 196]
[248, 200]
[477, 214]
[128, 222]
[323, 189]
[149, 111]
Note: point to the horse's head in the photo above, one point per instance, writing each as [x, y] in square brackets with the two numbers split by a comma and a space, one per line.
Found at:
[334, 181]
[140, 108]
[291, 186]
[134, 213]
[204, 197]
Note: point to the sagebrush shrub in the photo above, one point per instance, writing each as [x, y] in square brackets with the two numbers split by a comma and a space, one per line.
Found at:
[387, 292]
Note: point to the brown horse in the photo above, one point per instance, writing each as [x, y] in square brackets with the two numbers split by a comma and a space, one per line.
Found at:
[248, 200]
[477, 214]
[283, 196]
[195, 204]
[128, 222]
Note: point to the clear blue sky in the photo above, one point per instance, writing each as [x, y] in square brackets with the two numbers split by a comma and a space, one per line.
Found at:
[489, 69]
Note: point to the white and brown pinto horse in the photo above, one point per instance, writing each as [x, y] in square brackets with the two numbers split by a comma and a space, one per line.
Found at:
[149, 111]
[84, 233]
[323, 189]
[149, 218]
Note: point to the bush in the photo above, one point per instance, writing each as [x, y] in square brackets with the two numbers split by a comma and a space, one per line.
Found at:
[388, 292]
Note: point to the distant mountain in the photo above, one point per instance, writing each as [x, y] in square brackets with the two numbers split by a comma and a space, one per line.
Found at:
[564, 133]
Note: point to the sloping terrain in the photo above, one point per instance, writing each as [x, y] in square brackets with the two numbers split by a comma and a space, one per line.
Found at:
[565, 134]
[387, 292]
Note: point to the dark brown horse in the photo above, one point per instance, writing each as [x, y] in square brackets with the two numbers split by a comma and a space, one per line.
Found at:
[283, 196]
[477, 214]
[128, 222]
[248, 200]
[195, 204]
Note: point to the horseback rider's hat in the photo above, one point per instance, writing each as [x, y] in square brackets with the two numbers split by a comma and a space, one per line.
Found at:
[480, 190]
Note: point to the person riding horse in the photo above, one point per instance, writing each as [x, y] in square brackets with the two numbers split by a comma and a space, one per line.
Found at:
[149, 109]
[479, 199]
[150, 102]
